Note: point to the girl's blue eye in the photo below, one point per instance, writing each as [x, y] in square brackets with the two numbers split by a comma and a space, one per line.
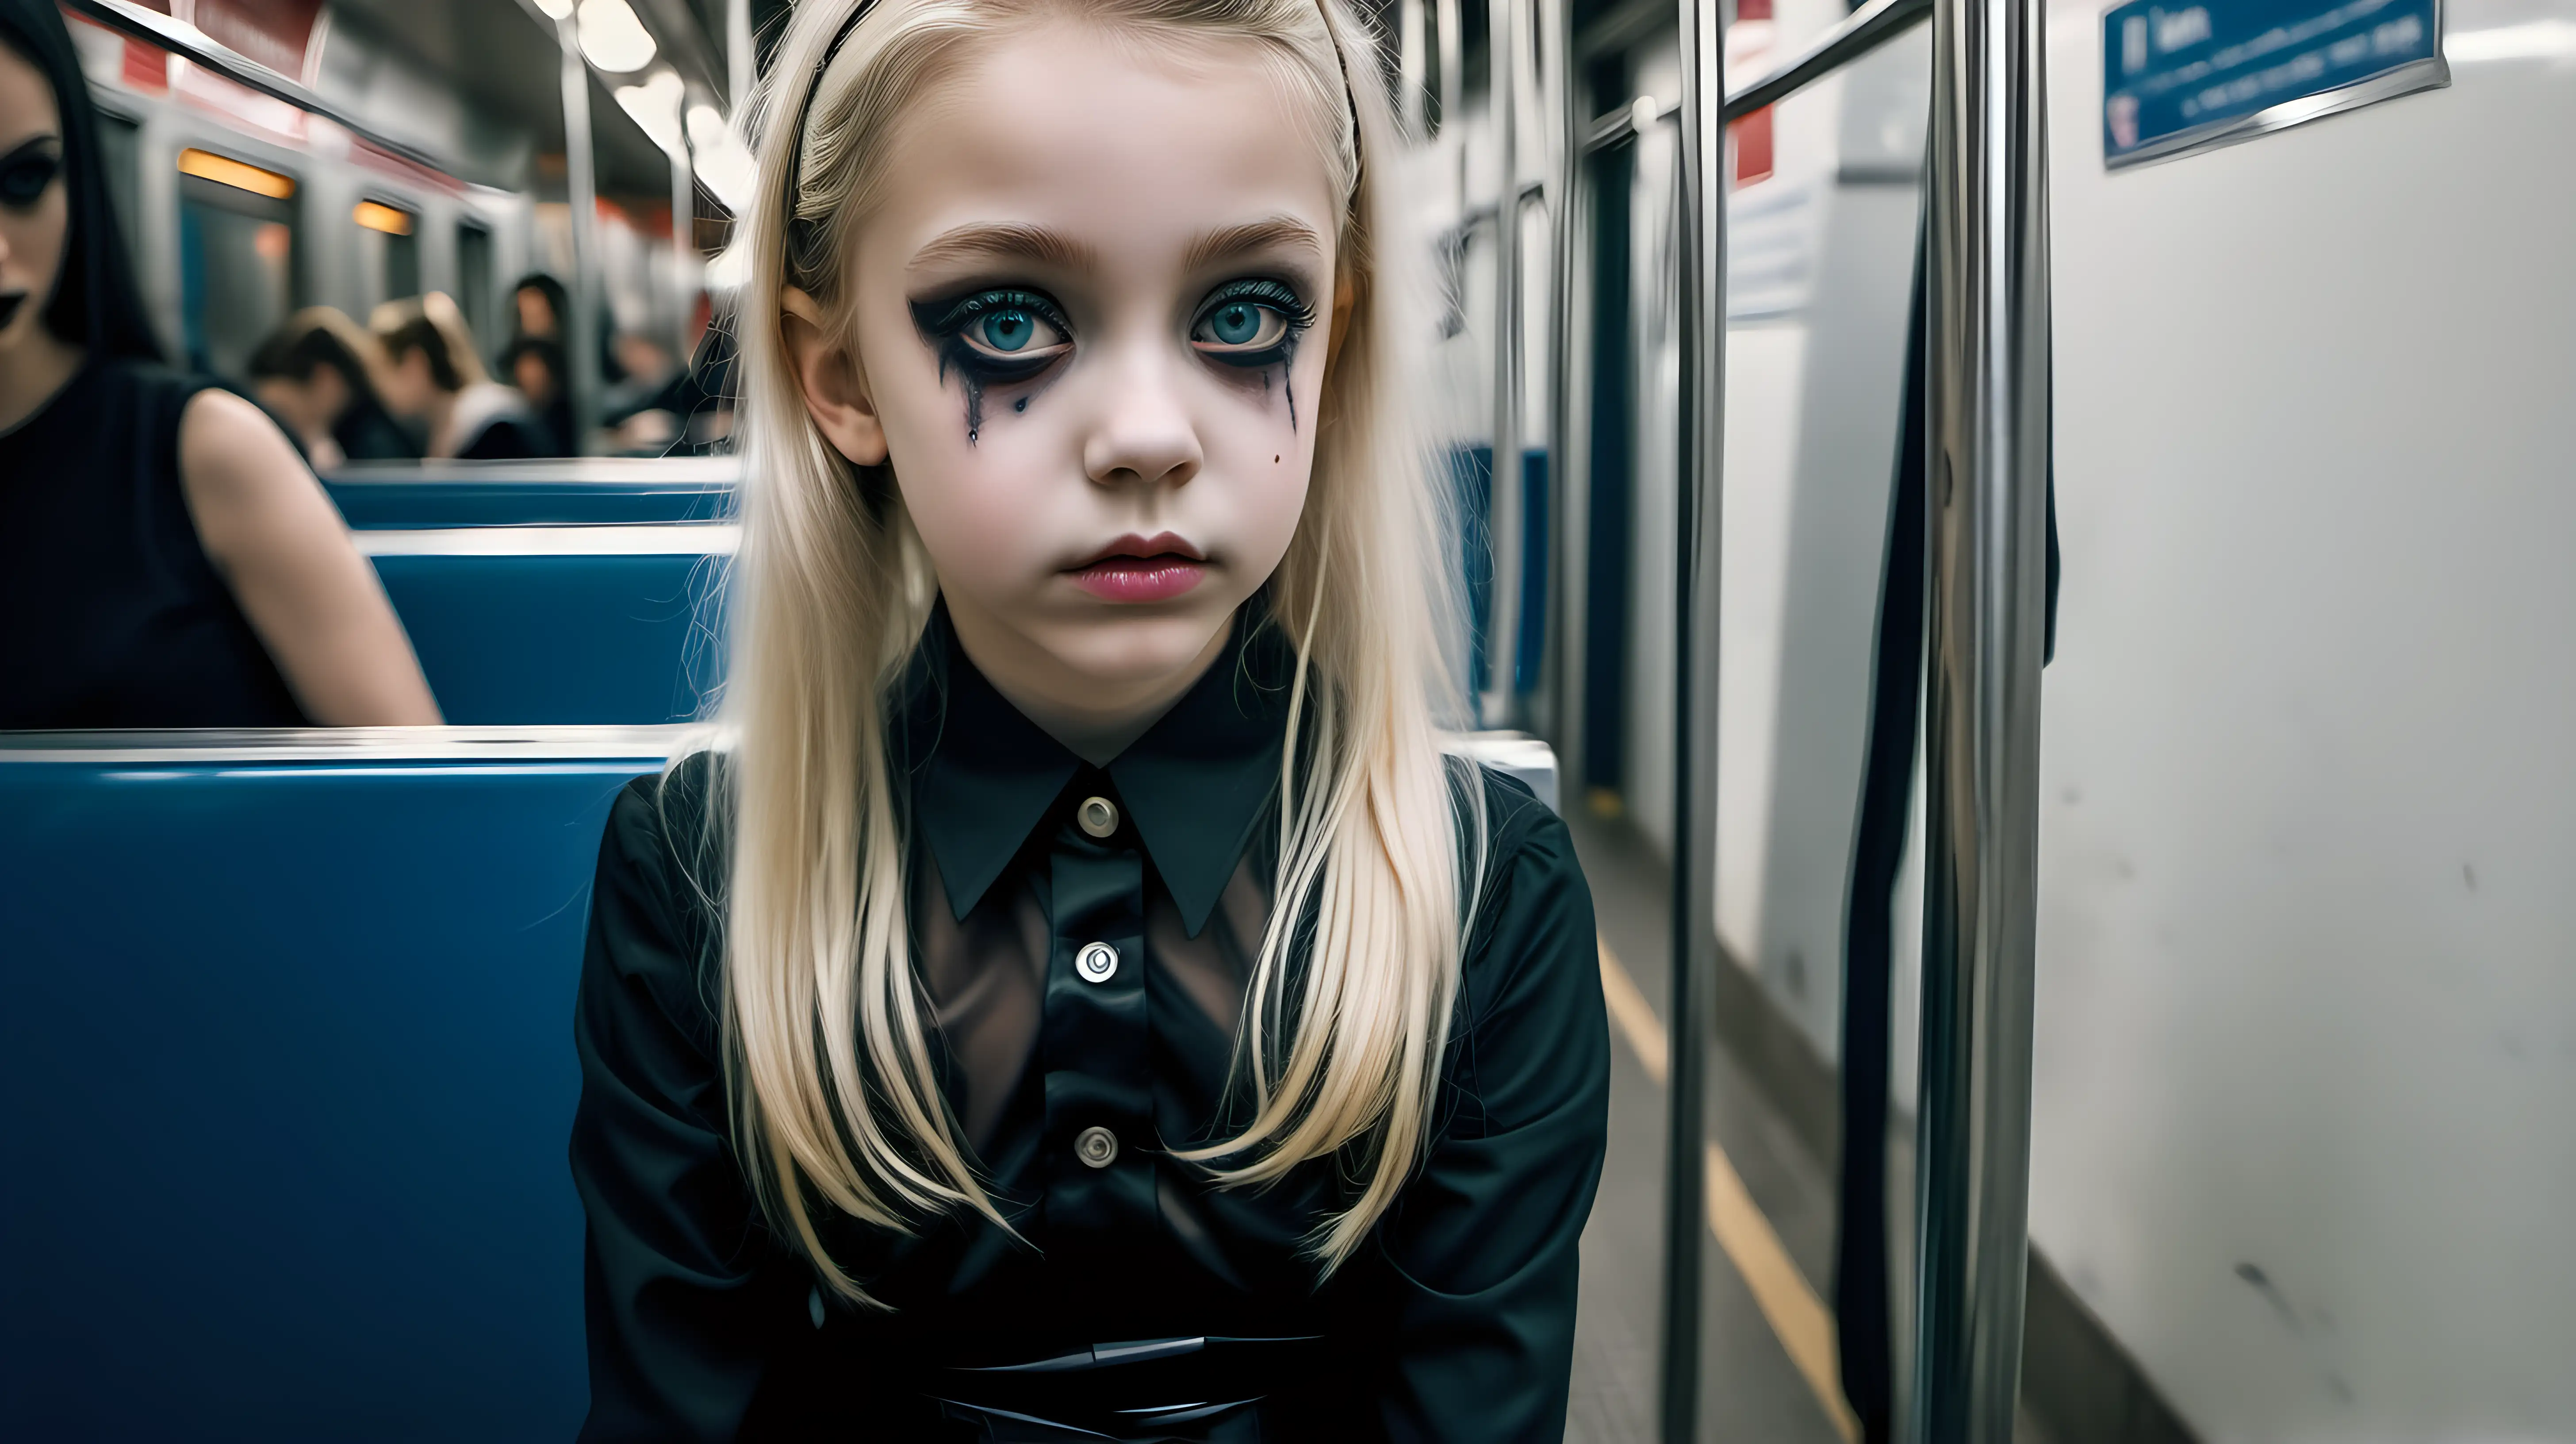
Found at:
[1241, 328]
[1008, 330]
[1236, 324]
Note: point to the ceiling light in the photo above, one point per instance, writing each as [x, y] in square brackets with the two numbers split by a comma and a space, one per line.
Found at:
[555, 9]
[377, 216]
[224, 170]
[655, 107]
[612, 38]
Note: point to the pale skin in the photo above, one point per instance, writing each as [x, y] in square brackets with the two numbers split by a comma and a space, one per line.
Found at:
[1135, 189]
[265, 523]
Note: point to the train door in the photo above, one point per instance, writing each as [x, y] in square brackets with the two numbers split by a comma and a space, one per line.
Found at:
[238, 258]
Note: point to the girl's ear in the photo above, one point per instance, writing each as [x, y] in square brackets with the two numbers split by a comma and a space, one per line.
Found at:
[834, 385]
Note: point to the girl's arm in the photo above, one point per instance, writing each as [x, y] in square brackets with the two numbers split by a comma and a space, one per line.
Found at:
[277, 541]
[685, 1298]
[1485, 1239]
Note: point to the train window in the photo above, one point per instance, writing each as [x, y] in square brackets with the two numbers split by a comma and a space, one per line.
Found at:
[120, 142]
[474, 279]
[237, 261]
[388, 250]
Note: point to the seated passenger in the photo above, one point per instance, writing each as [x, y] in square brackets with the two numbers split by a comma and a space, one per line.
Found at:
[165, 560]
[535, 365]
[318, 374]
[434, 378]
[1083, 1001]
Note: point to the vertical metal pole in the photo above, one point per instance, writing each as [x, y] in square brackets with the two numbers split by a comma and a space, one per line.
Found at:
[1702, 334]
[1453, 64]
[1410, 64]
[684, 233]
[742, 57]
[1503, 501]
[1566, 363]
[581, 328]
[1988, 414]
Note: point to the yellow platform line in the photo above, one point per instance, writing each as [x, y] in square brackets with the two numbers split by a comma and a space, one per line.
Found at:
[1800, 1320]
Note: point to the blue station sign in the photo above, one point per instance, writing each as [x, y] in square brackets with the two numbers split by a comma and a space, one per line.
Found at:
[2180, 75]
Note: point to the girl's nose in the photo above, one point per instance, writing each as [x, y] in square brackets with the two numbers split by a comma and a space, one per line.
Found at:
[1145, 434]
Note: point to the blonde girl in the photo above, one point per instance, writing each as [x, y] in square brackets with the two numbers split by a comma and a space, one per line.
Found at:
[1083, 1002]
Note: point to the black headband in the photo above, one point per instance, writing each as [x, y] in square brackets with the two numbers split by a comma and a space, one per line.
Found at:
[858, 12]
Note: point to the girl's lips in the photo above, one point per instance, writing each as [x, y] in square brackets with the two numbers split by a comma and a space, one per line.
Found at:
[9, 305]
[1139, 579]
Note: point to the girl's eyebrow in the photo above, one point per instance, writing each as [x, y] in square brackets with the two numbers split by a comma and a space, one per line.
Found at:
[984, 242]
[1273, 231]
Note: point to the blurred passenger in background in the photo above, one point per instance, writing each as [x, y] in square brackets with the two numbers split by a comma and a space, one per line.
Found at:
[165, 561]
[536, 366]
[543, 309]
[434, 378]
[319, 374]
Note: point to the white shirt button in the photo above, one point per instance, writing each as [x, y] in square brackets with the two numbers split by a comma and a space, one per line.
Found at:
[1098, 816]
[1096, 963]
[1097, 1147]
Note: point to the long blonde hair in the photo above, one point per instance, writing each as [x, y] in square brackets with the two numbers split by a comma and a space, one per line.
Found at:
[827, 1057]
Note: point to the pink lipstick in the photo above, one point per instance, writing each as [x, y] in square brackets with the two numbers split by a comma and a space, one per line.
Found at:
[1141, 569]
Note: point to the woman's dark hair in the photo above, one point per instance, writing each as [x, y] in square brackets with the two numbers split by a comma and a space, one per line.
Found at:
[422, 335]
[95, 304]
[558, 302]
[295, 353]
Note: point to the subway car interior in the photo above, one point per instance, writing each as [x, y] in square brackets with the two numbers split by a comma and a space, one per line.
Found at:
[2026, 540]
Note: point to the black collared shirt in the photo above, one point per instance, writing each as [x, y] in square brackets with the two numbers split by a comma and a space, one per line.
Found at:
[1084, 938]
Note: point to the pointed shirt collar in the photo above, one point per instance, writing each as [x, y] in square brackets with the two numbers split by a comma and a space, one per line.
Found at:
[984, 777]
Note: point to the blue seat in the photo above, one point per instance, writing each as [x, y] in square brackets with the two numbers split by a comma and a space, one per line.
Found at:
[289, 1033]
[289, 1030]
[576, 491]
[521, 626]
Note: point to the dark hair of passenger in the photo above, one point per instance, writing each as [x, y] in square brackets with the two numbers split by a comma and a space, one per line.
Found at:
[95, 303]
[422, 334]
[294, 355]
[558, 301]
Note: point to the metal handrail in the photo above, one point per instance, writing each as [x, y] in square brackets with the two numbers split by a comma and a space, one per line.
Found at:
[198, 48]
[1863, 31]
[1866, 29]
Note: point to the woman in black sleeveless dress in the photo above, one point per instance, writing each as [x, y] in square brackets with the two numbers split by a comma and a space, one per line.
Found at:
[165, 558]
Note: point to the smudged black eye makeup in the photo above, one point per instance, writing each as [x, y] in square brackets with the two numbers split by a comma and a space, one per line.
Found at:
[994, 337]
[1253, 322]
[27, 170]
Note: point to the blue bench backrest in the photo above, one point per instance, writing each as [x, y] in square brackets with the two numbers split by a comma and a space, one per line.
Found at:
[288, 1029]
[519, 626]
[583, 491]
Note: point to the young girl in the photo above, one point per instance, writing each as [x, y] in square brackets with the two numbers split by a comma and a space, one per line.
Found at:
[1083, 1003]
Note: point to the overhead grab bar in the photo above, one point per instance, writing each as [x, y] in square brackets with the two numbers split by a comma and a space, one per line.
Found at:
[1863, 31]
[198, 48]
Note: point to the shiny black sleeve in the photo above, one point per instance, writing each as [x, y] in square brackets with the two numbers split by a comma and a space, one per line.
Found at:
[684, 1292]
[1485, 1240]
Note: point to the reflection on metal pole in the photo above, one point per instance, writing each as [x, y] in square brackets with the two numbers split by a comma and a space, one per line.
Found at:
[1563, 91]
[1503, 493]
[1987, 338]
[581, 328]
[742, 59]
[1702, 334]
[685, 264]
